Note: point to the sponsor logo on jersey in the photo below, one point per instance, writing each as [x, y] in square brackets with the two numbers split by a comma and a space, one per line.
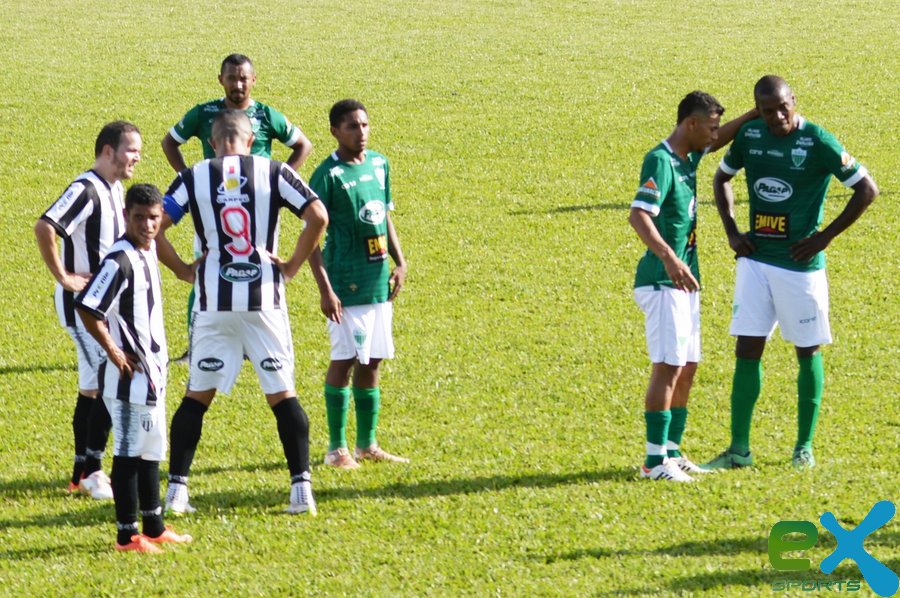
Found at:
[270, 364]
[756, 152]
[753, 134]
[806, 141]
[372, 213]
[649, 187]
[348, 185]
[770, 226]
[100, 284]
[775, 153]
[379, 174]
[336, 171]
[210, 108]
[146, 422]
[365, 178]
[71, 193]
[376, 248]
[210, 364]
[231, 184]
[847, 162]
[240, 272]
[378, 161]
[772, 190]
[798, 156]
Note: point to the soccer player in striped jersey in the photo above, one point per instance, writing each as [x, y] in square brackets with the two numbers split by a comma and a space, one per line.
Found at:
[121, 308]
[237, 77]
[356, 284]
[89, 218]
[667, 282]
[234, 201]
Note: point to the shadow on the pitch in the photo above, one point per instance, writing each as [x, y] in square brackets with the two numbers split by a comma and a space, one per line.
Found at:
[31, 554]
[38, 369]
[102, 512]
[601, 207]
[246, 467]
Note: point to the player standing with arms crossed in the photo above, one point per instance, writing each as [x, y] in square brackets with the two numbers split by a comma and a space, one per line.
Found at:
[89, 217]
[355, 282]
[780, 278]
[234, 201]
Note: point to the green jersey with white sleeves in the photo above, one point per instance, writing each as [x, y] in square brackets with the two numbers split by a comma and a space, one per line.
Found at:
[668, 191]
[267, 123]
[357, 197]
[787, 179]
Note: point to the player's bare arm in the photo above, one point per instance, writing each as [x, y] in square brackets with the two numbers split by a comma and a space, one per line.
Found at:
[401, 268]
[168, 256]
[172, 149]
[679, 272]
[316, 218]
[300, 151]
[724, 194]
[125, 363]
[727, 131]
[45, 235]
[328, 299]
[864, 193]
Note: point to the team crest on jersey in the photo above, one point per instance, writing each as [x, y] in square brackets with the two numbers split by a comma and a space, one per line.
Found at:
[372, 213]
[146, 422]
[771, 226]
[798, 156]
[772, 190]
[649, 188]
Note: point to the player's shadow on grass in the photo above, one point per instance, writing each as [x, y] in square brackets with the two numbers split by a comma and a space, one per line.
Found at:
[245, 467]
[101, 513]
[32, 554]
[605, 207]
[38, 369]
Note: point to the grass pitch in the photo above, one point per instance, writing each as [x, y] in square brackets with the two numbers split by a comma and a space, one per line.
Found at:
[516, 132]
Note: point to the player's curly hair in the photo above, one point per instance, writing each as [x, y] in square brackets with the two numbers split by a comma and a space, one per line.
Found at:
[342, 108]
[699, 102]
[143, 194]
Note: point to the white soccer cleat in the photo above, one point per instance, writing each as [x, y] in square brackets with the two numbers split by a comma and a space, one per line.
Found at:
[97, 486]
[688, 466]
[302, 501]
[667, 471]
[177, 499]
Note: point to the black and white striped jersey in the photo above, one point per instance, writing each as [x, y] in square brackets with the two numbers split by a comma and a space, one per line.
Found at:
[90, 217]
[234, 202]
[126, 292]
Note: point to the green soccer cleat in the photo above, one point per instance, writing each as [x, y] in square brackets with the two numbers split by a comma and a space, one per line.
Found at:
[803, 459]
[729, 460]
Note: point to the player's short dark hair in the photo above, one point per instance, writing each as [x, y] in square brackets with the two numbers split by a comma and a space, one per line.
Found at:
[343, 108]
[769, 85]
[235, 60]
[231, 124]
[111, 135]
[699, 102]
[143, 194]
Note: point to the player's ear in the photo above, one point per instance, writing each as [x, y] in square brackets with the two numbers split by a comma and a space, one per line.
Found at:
[250, 141]
[212, 143]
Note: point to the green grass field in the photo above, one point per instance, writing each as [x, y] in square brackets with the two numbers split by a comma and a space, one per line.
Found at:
[516, 132]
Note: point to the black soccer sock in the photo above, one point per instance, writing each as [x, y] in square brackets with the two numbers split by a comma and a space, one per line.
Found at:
[187, 425]
[79, 430]
[124, 481]
[148, 495]
[293, 429]
[98, 426]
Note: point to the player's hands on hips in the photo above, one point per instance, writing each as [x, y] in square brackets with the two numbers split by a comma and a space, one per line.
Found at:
[288, 270]
[75, 282]
[806, 249]
[126, 363]
[741, 244]
[395, 282]
[331, 306]
[681, 276]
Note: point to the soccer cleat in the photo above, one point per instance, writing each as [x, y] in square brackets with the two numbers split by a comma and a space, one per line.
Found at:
[139, 543]
[688, 466]
[72, 488]
[803, 459]
[96, 486]
[729, 460]
[302, 501]
[376, 453]
[667, 470]
[341, 459]
[177, 499]
[170, 536]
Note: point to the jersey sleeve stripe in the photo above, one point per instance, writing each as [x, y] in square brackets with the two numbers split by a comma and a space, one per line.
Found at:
[59, 228]
[647, 207]
[728, 169]
[857, 177]
[176, 136]
[294, 138]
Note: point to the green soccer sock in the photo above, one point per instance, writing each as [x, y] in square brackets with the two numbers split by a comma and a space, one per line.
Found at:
[745, 387]
[657, 431]
[337, 402]
[367, 402]
[676, 430]
[810, 381]
[190, 310]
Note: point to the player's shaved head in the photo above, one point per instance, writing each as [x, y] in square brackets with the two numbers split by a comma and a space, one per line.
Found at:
[771, 85]
[231, 126]
[699, 103]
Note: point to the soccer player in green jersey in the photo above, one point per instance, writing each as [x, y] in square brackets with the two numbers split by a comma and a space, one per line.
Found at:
[237, 77]
[356, 284]
[667, 283]
[780, 278]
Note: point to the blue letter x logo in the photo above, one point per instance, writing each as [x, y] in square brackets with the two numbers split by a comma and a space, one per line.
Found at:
[882, 580]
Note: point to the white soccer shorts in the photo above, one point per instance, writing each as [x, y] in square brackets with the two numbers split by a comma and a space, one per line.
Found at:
[90, 355]
[138, 430]
[766, 296]
[219, 341]
[364, 333]
[672, 324]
